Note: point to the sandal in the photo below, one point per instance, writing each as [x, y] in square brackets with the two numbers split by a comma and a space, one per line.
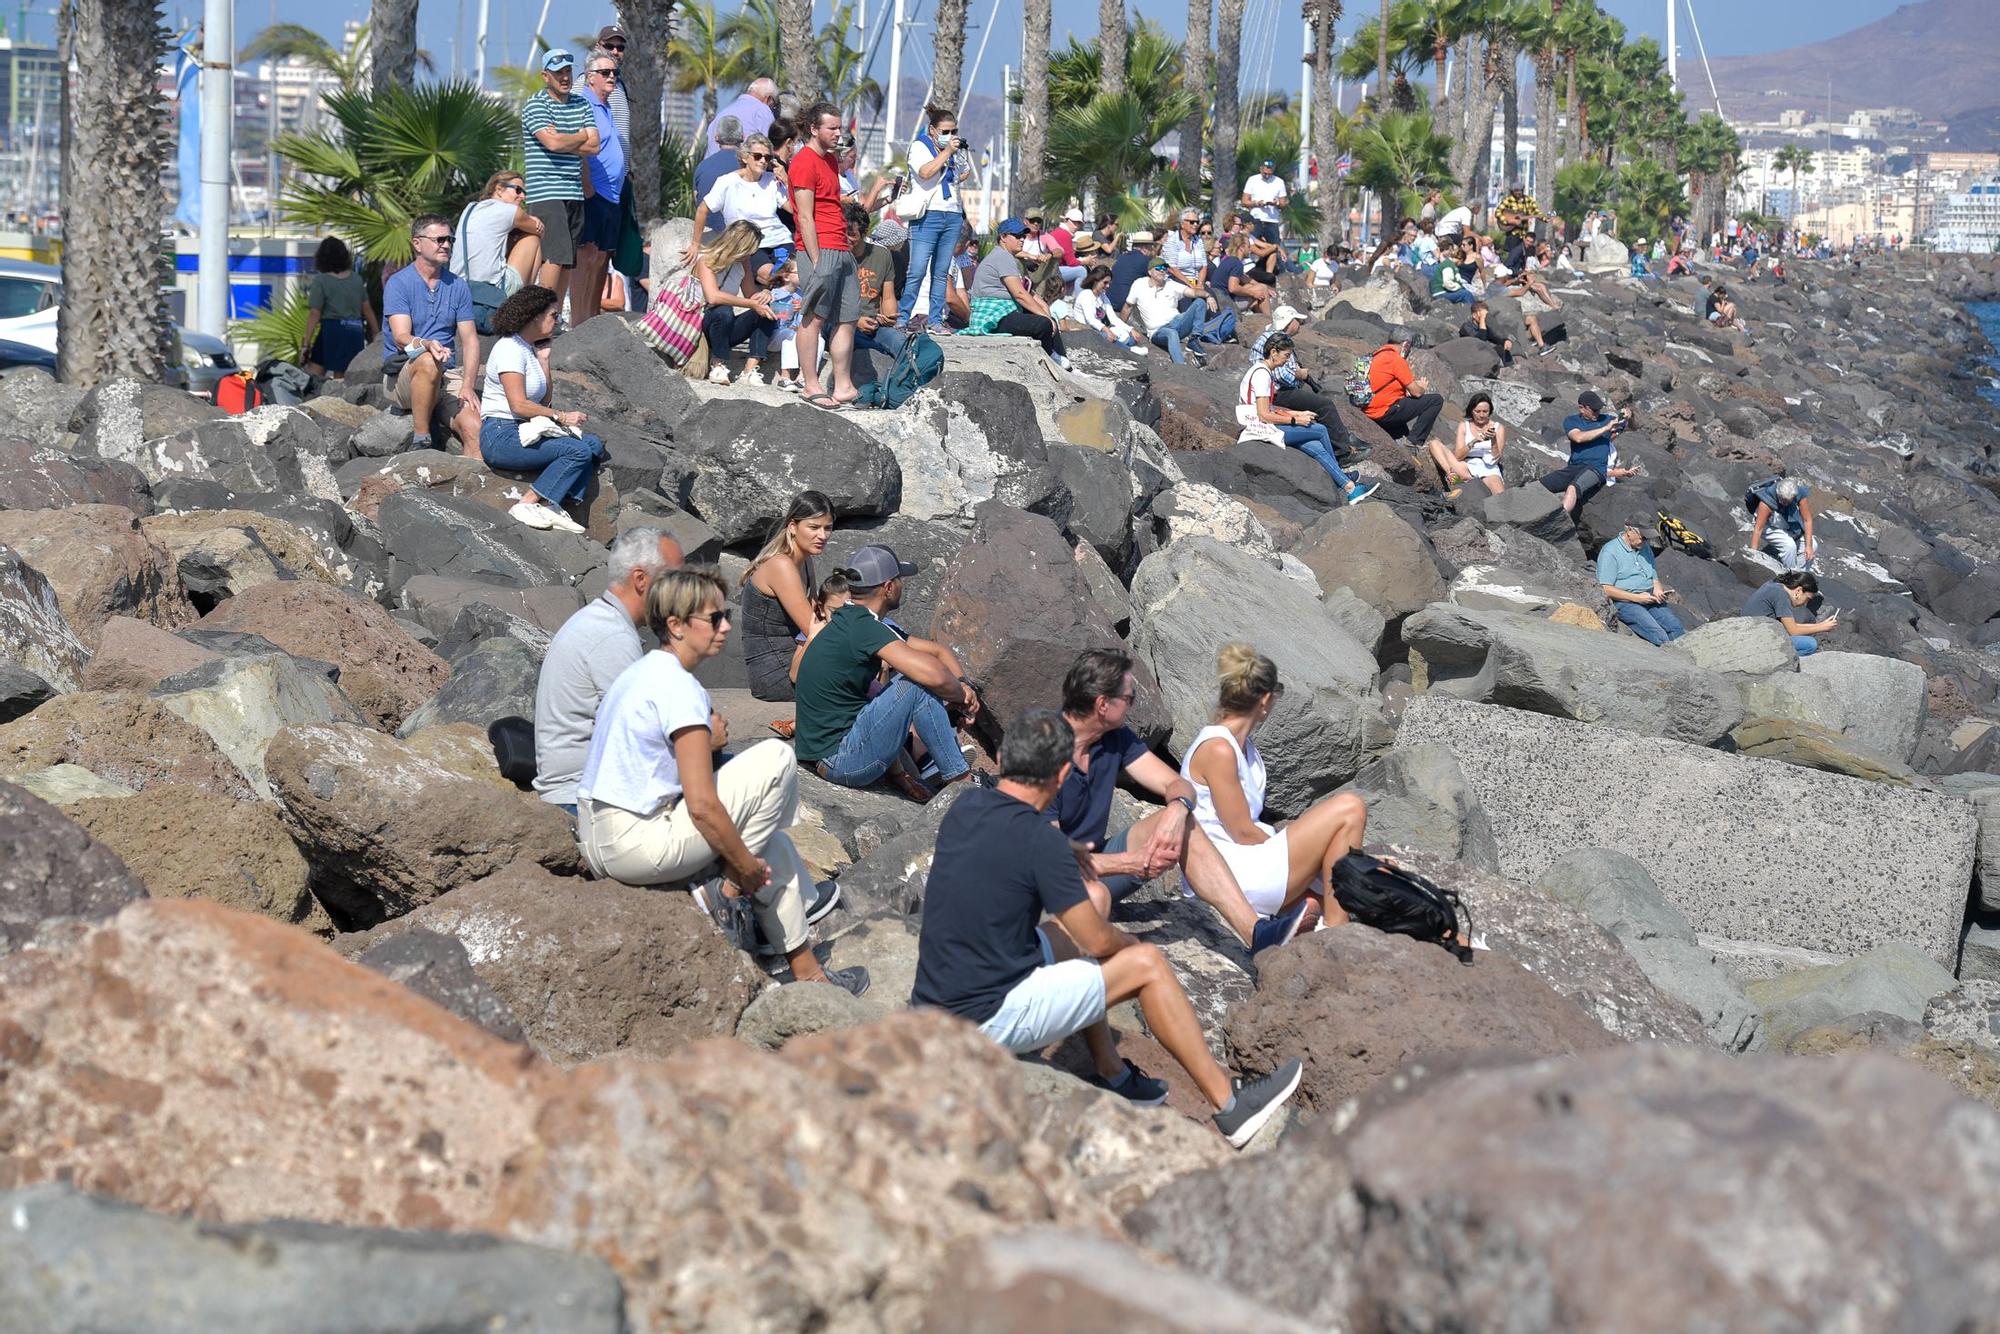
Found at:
[826, 402]
[784, 727]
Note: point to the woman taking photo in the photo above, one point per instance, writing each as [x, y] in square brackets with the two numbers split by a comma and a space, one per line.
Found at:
[1476, 451]
[1262, 420]
[737, 309]
[934, 188]
[651, 808]
[339, 321]
[1279, 870]
[516, 393]
[777, 593]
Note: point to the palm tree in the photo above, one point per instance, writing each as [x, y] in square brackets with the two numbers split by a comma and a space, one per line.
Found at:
[1152, 65]
[800, 64]
[1194, 78]
[1324, 15]
[1709, 153]
[1110, 140]
[393, 59]
[1034, 143]
[701, 58]
[756, 32]
[295, 41]
[1581, 187]
[116, 144]
[841, 69]
[1650, 193]
[1381, 52]
[1228, 113]
[947, 55]
[1794, 158]
[649, 30]
[1111, 42]
[1540, 37]
[1400, 156]
[1409, 50]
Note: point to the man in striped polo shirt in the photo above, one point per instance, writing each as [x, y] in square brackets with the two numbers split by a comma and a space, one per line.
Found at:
[557, 133]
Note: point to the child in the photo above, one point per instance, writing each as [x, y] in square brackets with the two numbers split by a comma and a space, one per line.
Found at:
[785, 309]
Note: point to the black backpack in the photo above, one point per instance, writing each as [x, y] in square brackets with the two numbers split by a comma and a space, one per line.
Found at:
[513, 742]
[1401, 903]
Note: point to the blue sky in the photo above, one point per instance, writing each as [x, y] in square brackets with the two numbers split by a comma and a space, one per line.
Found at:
[1730, 28]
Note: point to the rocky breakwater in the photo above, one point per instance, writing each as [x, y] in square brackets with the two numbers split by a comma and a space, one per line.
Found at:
[288, 968]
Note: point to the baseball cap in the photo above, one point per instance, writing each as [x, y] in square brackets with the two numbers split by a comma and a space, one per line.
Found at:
[1075, 214]
[1140, 238]
[1284, 315]
[1269, 163]
[1589, 399]
[1011, 227]
[558, 59]
[608, 31]
[1158, 266]
[873, 566]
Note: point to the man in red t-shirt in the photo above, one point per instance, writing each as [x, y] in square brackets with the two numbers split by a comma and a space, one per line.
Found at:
[1403, 404]
[829, 283]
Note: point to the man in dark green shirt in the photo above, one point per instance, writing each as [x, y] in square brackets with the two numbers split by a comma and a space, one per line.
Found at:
[850, 738]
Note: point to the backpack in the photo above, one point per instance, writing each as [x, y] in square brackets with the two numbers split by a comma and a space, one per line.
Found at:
[1680, 537]
[1359, 392]
[1401, 903]
[917, 364]
[282, 382]
[237, 394]
[513, 741]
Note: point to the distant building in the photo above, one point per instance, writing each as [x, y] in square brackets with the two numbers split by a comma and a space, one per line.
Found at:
[1962, 164]
[30, 94]
[1968, 221]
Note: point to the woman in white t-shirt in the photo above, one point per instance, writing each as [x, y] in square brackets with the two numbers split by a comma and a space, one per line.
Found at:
[1093, 309]
[518, 430]
[1261, 419]
[753, 194]
[652, 808]
[934, 207]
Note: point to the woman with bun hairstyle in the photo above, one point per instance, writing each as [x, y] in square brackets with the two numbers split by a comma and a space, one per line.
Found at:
[1280, 870]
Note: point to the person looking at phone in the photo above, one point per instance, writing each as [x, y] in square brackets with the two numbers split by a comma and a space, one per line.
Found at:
[1626, 572]
[1590, 432]
[1782, 598]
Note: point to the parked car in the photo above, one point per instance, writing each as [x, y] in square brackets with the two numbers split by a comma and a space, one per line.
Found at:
[31, 295]
[26, 354]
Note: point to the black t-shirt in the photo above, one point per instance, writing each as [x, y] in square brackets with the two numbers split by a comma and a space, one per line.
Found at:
[1129, 268]
[1225, 268]
[1082, 810]
[999, 867]
[1471, 329]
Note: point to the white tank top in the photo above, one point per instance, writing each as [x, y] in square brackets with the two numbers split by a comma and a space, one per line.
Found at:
[1249, 772]
[1481, 448]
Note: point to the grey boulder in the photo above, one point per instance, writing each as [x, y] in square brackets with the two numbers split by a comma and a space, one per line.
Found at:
[751, 458]
[1741, 646]
[1894, 979]
[1883, 698]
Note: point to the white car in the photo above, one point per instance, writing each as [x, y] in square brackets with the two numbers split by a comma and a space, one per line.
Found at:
[31, 294]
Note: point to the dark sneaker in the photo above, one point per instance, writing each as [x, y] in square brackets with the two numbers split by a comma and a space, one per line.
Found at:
[1256, 1102]
[853, 981]
[825, 897]
[735, 918]
[1273, 931]
[1138, 1088]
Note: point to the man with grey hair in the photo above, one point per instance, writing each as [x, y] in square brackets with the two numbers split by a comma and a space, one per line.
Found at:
[1782, 521]
[754, 109]
[729, 133]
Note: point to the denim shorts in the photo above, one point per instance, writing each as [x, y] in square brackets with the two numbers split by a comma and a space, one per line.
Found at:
[1049, 1004]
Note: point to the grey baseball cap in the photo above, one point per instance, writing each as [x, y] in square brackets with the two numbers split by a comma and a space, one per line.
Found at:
[873, 566]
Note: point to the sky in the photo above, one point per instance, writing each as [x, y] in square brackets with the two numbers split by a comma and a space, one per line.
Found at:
[1273, 37]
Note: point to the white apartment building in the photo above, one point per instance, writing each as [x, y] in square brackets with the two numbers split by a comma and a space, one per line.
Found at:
[1968, 221]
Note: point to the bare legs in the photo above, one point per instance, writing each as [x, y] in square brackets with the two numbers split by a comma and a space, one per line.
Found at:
[1141, 970]
[1207, 874]
[1318, 839]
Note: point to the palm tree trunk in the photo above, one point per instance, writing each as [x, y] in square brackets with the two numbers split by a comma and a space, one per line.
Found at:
[1325, 16]
[1574, 137]
[1548, 149]
[1461, 98]
[116, 141]
[1437, 70]
[947, 56]
[1228, 111]
[392, 43]
[801, 63]
[1194, 78]
[1510, 109]
[1382, 56]
[647, 32]
[1034, 150]
[1111, 42]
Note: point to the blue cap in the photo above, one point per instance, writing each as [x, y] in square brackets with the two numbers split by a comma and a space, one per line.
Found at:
[1012, 227]
[1269, 163]
[558, 59]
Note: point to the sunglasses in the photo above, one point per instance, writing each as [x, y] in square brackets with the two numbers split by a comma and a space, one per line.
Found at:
[1207, 231]
[715, 619]
[516, 187]
[608, 69]
[439, 240]
[614, 46]
[758, 157]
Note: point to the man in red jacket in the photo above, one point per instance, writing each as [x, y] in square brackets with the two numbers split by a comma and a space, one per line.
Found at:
[1403, 404]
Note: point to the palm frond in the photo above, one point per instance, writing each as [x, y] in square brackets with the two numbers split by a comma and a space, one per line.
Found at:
[278, 331]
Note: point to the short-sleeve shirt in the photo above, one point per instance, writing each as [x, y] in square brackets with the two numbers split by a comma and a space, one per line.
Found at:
[1622, 567]
[1770, 599]
[336, 298]
[1225, 268]
[1062, 244]
[1127, 269]
[512, 354]
[812, 170]
[586, 657]
[877, 267]
[1082, 810]
[552, 175]
[998, 868]
[1183, 257]
[722, 162]
[755, 202]
[1454, 221]
[435, 312]
[834, 676]
[1593, 453]
[607, 166]
[631, 763]
[1156, 306]
[482, 240]
[1266, 197]
[991, 277]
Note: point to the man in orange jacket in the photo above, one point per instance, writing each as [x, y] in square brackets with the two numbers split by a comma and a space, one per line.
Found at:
[1403, 404]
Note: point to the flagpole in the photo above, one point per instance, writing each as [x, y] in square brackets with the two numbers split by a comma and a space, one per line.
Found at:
[218, 113]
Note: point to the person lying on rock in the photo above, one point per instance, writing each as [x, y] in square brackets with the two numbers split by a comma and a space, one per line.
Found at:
[1284, 872]
[1261, 419]
[1476, 452]
[652, 809]
[1590, 431]
[999, 866]
[1782, 524]
[1626, 573]
[1096, 701]
[1782, 598]
[517, 390]
[850, 735]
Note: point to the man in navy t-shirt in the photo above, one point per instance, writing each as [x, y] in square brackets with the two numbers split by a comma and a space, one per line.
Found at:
[986, 954]
[1129, 268]
[1589, 431]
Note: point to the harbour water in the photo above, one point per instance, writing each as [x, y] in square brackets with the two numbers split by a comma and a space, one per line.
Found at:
[1988, 315]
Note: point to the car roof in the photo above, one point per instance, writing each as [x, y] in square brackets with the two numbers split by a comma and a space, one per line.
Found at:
[21, 268]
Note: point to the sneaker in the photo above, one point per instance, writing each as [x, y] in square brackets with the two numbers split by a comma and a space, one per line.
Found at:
[789, 386]
[825, 898]
[719, 375]
[734, 917]
[533, 515]
[919, 323]
[853, 981]
[1275, 930]
[1134, 1086]
[1256, 1102]
[561, 521]
[752, 378]
[1360, 491]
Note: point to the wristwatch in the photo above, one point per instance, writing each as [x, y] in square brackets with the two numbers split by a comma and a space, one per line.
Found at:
[1185, 802]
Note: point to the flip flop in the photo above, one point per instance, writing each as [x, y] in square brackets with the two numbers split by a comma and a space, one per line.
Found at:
[826, 403]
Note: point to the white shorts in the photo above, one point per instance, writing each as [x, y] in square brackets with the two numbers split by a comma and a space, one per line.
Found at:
[1049, 1004]
[1263, 871]
[1480, 467]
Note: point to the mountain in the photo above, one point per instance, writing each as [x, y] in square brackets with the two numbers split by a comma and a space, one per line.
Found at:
[1938, 57]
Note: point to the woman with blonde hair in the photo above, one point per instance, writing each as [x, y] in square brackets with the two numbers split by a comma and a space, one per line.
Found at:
[738, 310]
[1281, 871]
[652, 809]
[777, 593]
[753, 193]
[499, 241]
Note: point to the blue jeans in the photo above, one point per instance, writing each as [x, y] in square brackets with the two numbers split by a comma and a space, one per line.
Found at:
[933, 237]
[870, 746]
[1463, 296]
[1182, 329]
[566, 462]
[889, 342]
[1805, 644]
[1316, 444]
[726, 326]
[1655, 625]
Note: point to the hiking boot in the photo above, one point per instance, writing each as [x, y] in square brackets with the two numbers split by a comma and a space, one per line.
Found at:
[1256, 1102]
[853, 981]
[1277, 929]
[1134, 1086]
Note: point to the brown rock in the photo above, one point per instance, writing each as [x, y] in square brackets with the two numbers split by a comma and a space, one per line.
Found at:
[239, 547]
[120, 735]
[382, 669]
[591, 967]
[36, 476]
[1578, 615]
[189, 844]
[1355, 1004]
[100, 564]
[132, 655]
[387, 829]
[1812, 746]
[461, 748]
[51, 868]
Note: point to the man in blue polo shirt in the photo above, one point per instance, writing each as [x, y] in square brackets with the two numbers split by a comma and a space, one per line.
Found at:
[603, 189]
[1625, 570]
[431, 347]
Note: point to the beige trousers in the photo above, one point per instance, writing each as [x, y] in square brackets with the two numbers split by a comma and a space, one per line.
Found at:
[760, 790]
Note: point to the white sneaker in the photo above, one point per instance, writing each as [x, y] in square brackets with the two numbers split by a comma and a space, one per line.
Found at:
[533, 515]
[561, 521]
[720, 375]
[751, 377]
